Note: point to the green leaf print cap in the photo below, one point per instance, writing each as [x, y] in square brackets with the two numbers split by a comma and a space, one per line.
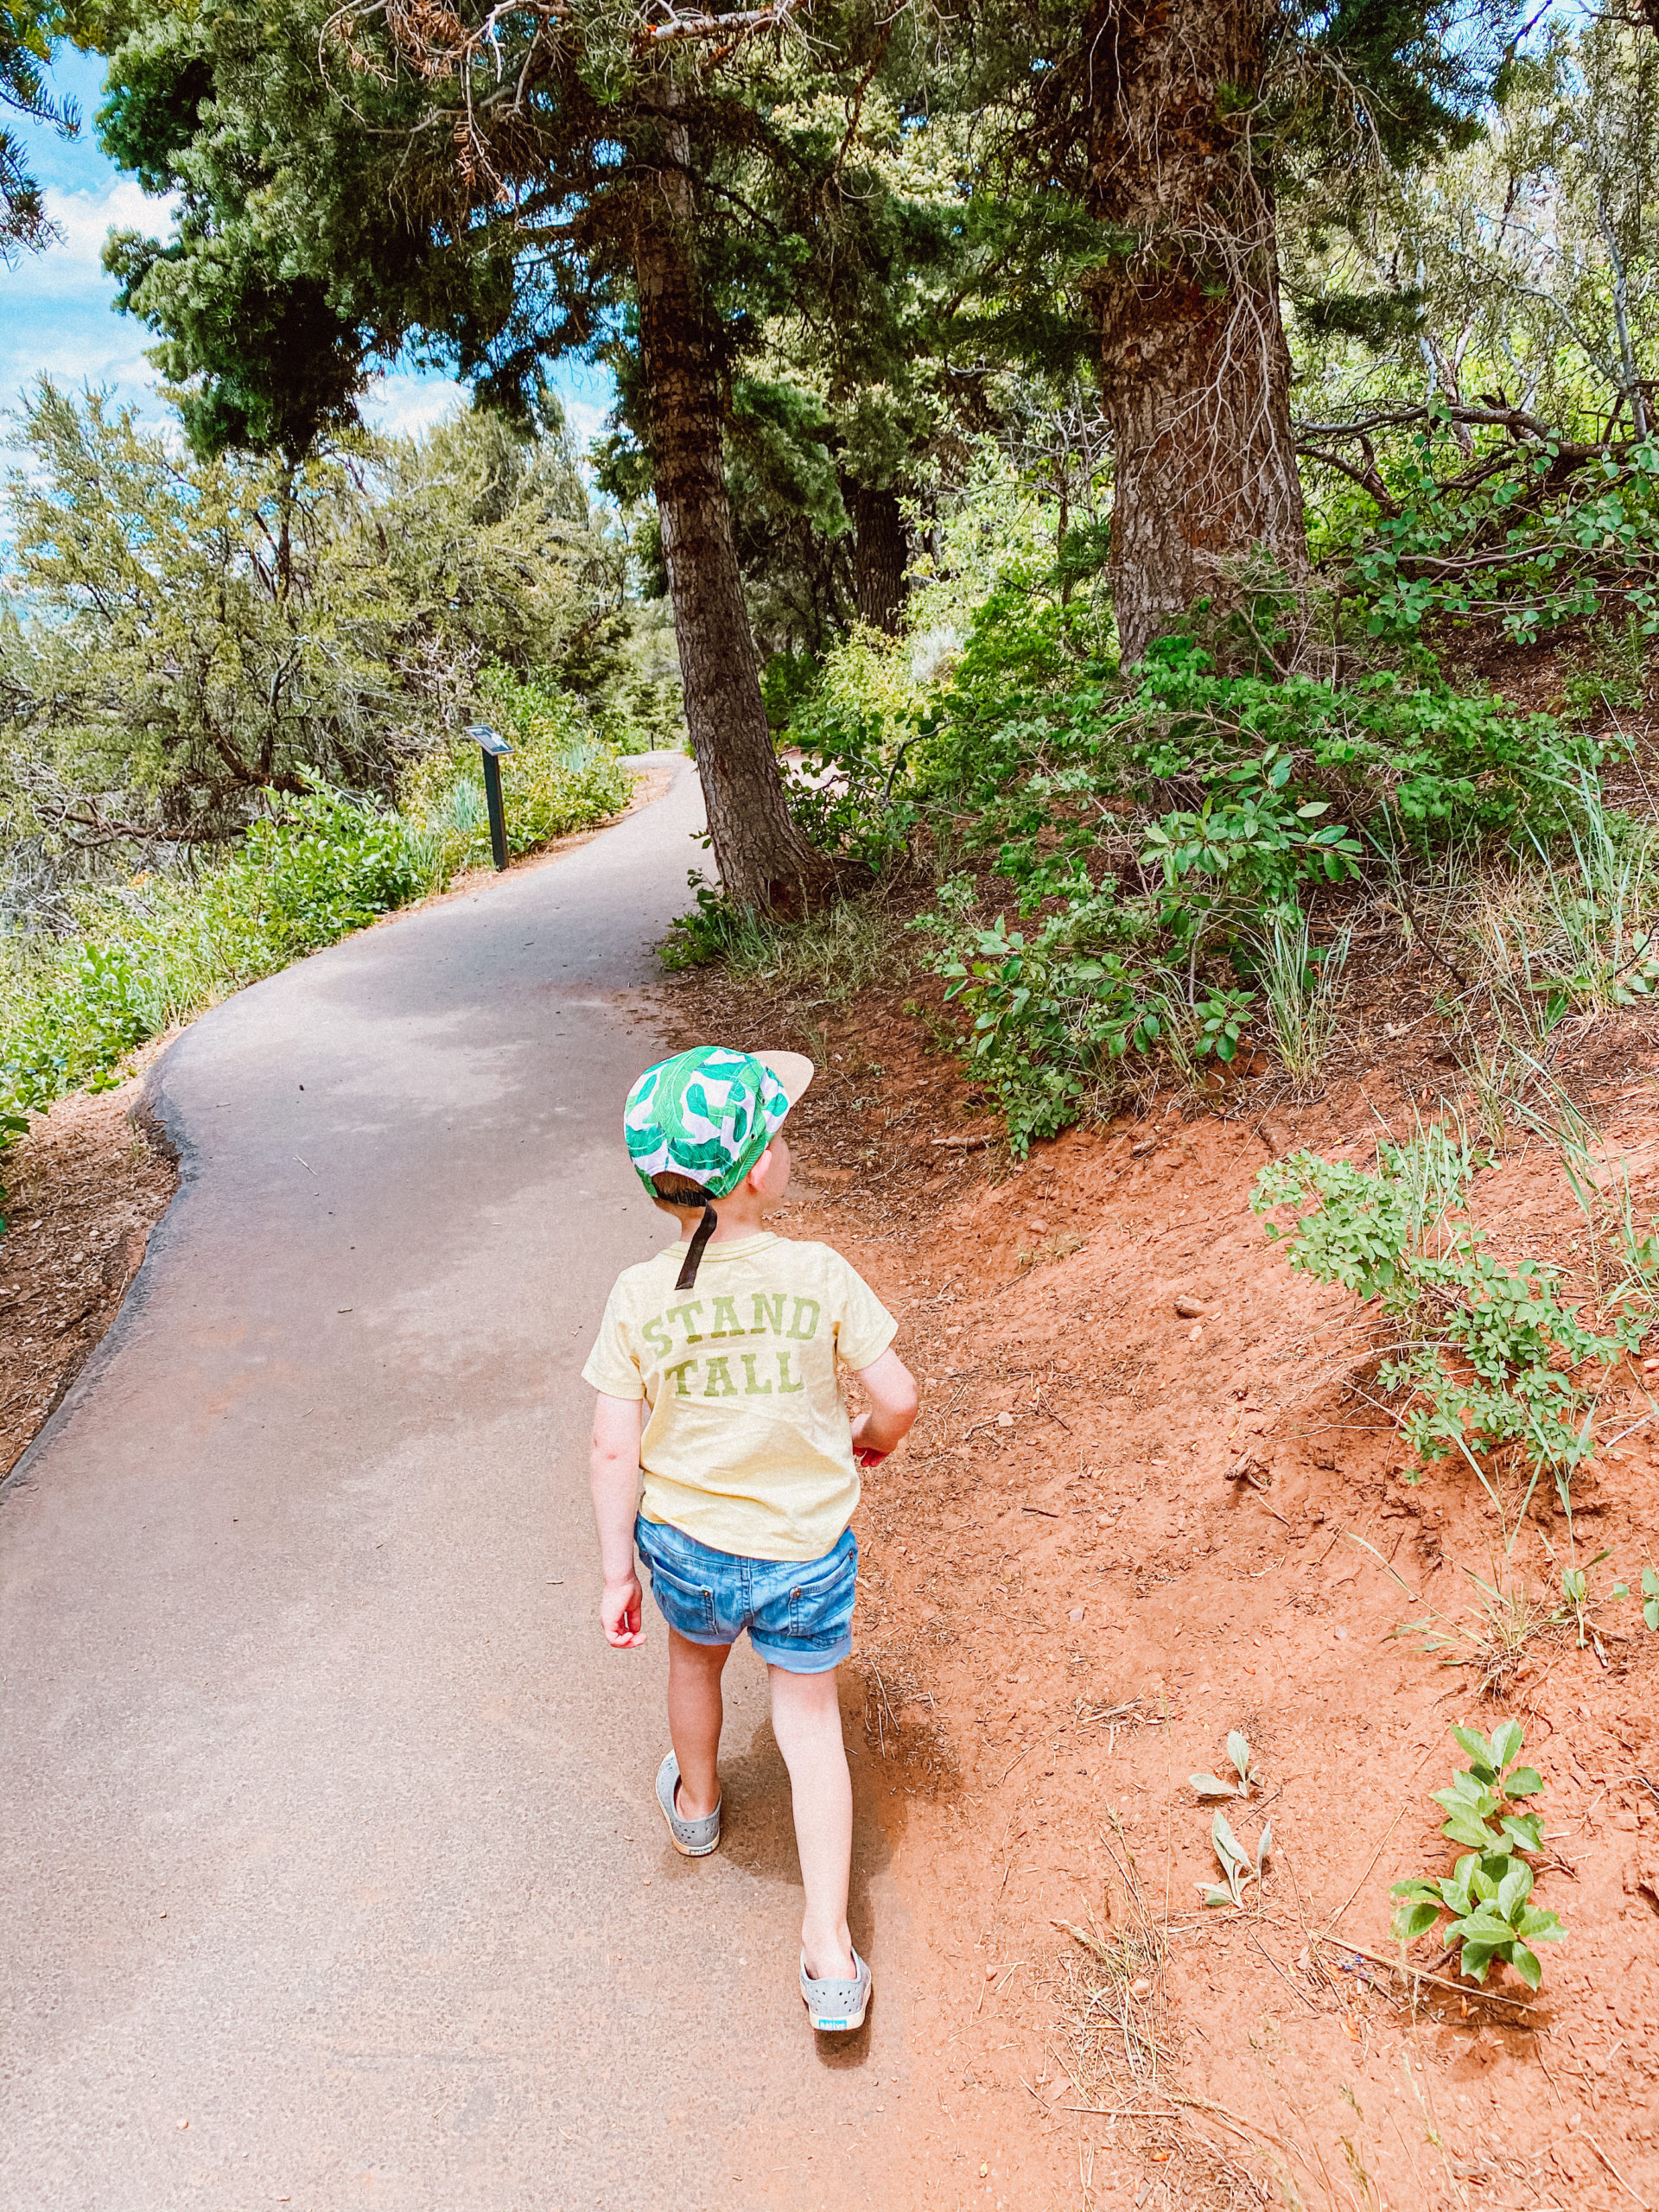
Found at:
[710, 1113]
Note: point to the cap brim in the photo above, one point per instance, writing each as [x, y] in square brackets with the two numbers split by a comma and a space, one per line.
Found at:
[793, 1070]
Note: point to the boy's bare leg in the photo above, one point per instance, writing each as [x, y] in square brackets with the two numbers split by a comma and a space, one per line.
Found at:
[806, 1720]
[695, 1713]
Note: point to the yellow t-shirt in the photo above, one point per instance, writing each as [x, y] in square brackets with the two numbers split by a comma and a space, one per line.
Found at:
[747, 1446]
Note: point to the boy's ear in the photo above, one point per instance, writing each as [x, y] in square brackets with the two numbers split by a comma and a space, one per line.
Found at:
[757, 1177]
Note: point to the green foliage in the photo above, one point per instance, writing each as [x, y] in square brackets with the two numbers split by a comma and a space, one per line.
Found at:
[1488, 1892]
[1522, 546]
[200, 631]
[856, 728]
[1239, 1868]
[1287, 785]
[1211, 1785]
[559, 777]
[30, 29]
[159, 948]
[1050, 1011]
[1490, 1351]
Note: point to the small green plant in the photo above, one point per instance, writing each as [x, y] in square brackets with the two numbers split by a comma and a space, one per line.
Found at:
[1488, 1892]
[1488, 1350]
[1650, 1595]
[1238, 1868]
[1211, 1785]
[12, 1126]
[1300, 985]
[1483, 1792]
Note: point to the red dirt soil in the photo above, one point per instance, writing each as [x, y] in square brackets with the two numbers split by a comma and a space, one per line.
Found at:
[1066, 1605]
[86, 1189]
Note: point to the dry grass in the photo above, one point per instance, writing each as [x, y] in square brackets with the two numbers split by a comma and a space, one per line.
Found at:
[901, 1721]
[1116, 2043]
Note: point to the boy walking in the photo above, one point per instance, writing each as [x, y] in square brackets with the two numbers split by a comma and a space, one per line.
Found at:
[716, 1369]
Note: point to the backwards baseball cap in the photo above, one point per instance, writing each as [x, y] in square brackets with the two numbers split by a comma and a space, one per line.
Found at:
[707, 1116]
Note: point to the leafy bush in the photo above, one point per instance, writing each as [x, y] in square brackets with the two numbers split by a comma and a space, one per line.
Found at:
[1488, 1350]
[159, 948]
[1535, 545]
[856, 728]
[560, 776]
[1488, 1892]
[1393, 763]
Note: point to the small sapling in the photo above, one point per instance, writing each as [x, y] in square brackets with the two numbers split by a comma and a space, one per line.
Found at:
[1236, 1863]
[1211, 1785]
[1489, 1891]
[1482, 1793]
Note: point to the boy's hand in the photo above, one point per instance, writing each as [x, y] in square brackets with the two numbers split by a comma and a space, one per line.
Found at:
[619, 1611]
[866, 1454]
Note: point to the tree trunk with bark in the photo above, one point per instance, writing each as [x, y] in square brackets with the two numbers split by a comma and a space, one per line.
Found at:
[881, 556]
[1194, 366]
[763, 861]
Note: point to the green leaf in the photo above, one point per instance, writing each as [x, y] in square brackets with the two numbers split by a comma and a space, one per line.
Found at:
[1210, 1785]
[1414, 1920]
[1478, 1748]
[1213, 1895]
[1466, 1827]
[1238, 1750]
[1513, 1890]
[1227, 1844]
[1525, 1782]
[1507, 1739]
[1477, 1957]
[1525, 1963]
[1524, 1830]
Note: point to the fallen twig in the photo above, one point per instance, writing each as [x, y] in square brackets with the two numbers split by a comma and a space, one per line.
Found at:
[1387, 1832]
[1408, 1972]
[1613, 2169]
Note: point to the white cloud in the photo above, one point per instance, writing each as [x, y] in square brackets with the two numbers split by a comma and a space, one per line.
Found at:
[402, 406]
[587, 422]
[59, 312]
[85, 219]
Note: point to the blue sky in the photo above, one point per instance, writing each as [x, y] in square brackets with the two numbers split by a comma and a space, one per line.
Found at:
[56, 312]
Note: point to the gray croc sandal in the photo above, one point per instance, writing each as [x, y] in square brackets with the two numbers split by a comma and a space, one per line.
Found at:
[836, 2007]
[692, 1838]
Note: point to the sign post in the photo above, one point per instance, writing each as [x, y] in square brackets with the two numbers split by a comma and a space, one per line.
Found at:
[493, 747]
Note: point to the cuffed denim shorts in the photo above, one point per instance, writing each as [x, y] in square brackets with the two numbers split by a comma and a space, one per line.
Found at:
[798, 1613]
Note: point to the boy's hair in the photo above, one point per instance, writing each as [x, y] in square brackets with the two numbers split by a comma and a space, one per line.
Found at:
[680, 1191]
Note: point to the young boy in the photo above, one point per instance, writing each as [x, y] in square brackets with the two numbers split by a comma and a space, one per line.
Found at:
[727, 1345]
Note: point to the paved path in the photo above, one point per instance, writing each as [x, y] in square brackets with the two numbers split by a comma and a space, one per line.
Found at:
[329, 1827]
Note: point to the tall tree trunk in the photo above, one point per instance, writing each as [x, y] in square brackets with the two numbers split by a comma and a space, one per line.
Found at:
[763, 859]
[1194, 366]
[881, 556]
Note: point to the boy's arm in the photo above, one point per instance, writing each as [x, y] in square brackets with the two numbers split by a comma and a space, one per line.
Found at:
[890, 1389]
[614, 1472]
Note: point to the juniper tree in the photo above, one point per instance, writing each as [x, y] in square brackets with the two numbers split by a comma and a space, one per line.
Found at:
[1179, 125]
[494, 188]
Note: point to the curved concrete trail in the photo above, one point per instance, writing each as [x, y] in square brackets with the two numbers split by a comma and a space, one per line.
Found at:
[330, 1826]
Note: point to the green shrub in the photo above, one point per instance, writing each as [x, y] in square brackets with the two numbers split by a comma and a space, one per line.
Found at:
[1531, 545]
[160, 947]
[1488, 1350]
[857, 728]
[1488, 1892]
[561, 775]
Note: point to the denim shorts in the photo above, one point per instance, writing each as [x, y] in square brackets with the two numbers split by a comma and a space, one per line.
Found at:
[798, 1613]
